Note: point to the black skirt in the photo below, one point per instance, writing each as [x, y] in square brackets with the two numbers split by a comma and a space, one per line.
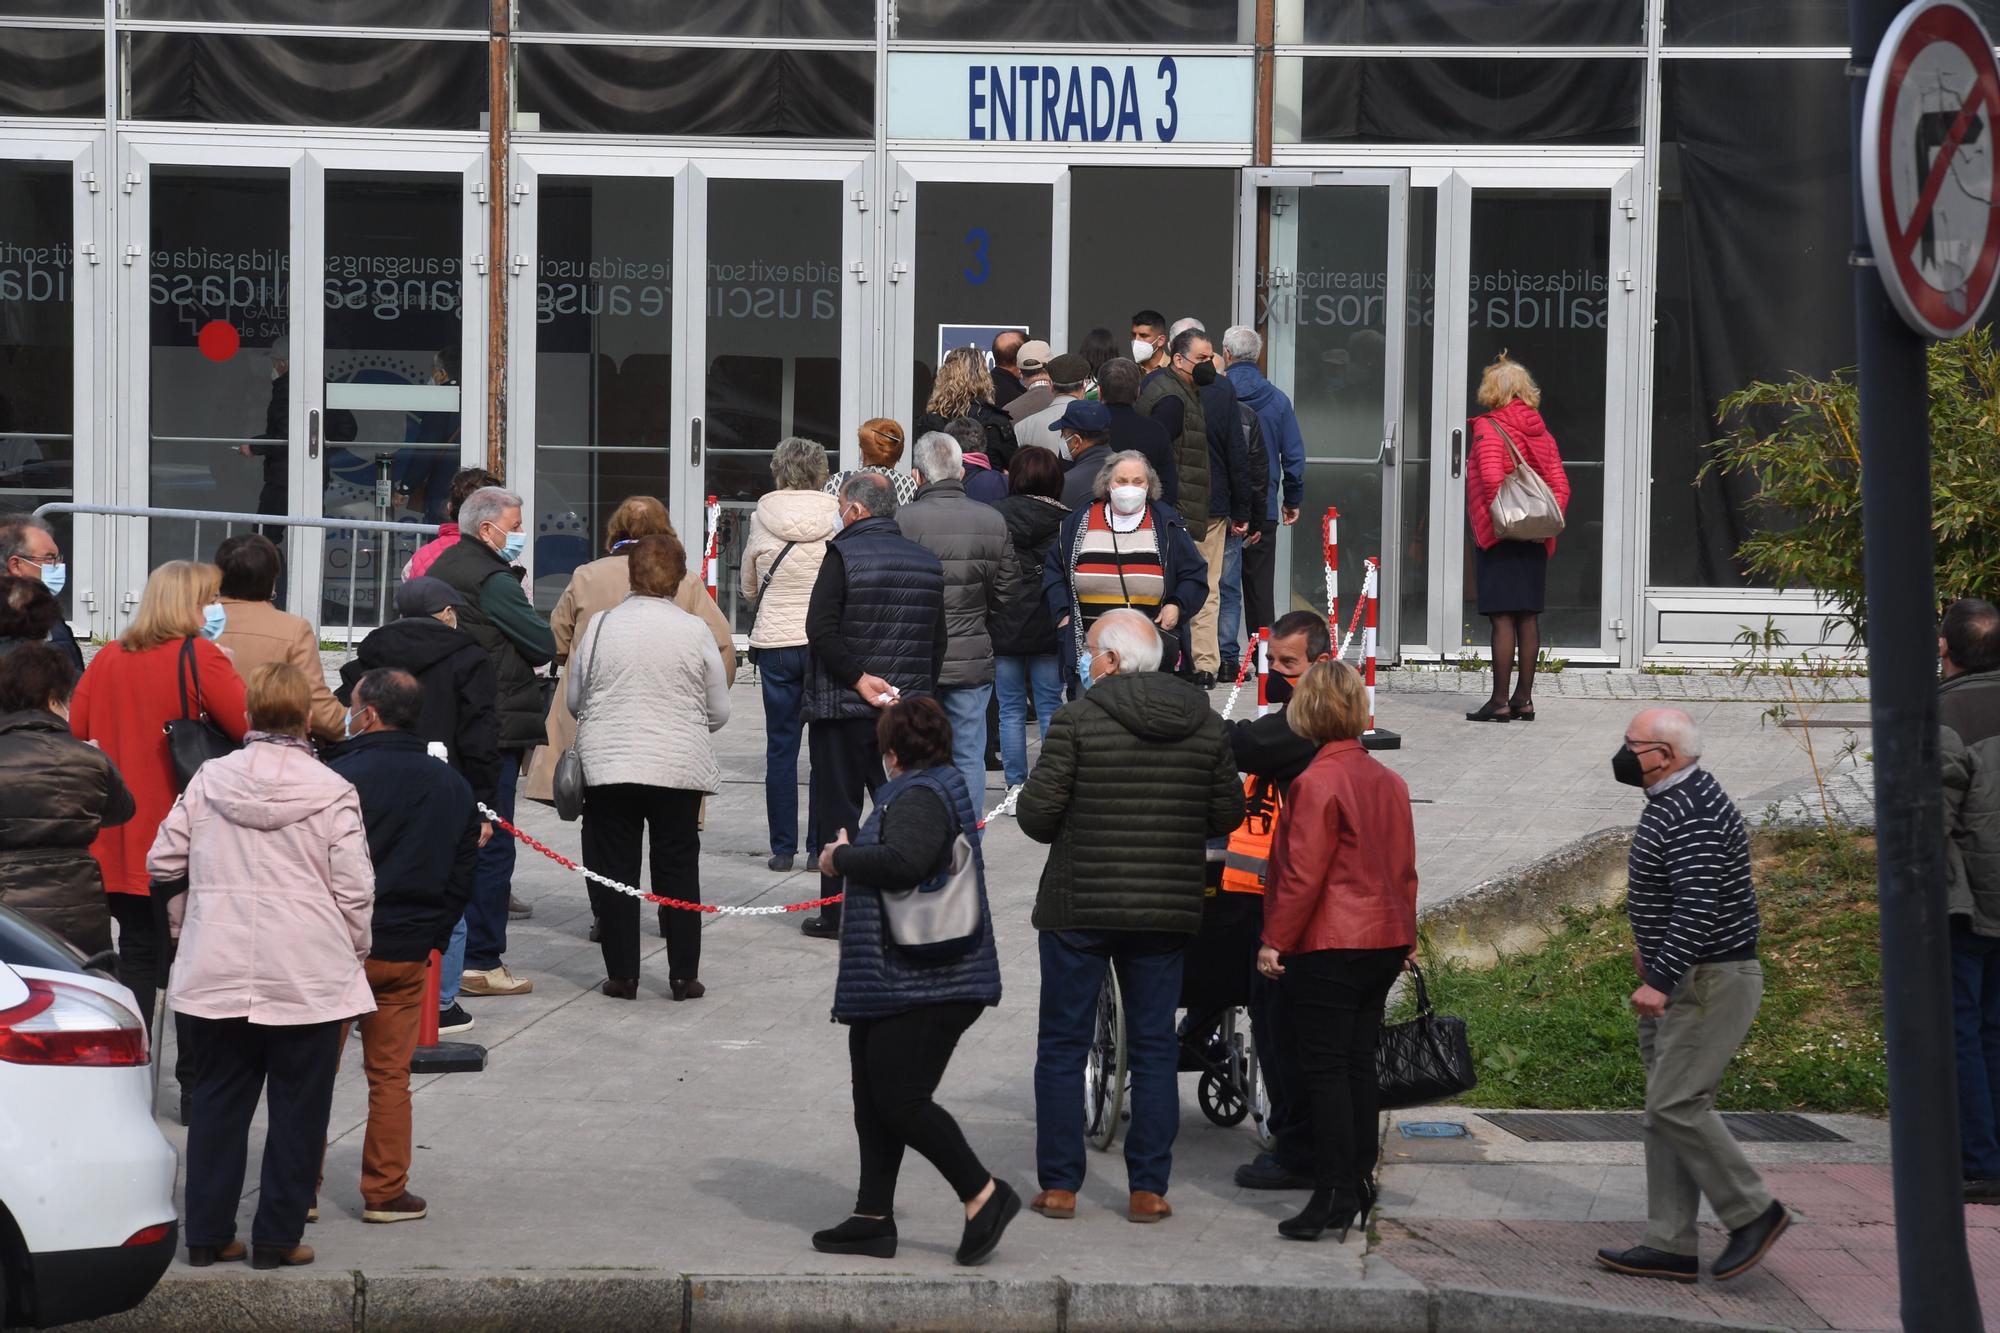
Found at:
[1513, 577]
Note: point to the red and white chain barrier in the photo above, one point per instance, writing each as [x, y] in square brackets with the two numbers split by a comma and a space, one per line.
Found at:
[714, 519]
[1263, 671]
[1242, 672]
[1330, 539]
[1360, 610]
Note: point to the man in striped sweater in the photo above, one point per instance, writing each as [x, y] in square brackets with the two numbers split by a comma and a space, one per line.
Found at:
[1694, 920]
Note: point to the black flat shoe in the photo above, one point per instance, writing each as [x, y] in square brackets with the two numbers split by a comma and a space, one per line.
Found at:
[625, 989]
[779, 863]
[1645, 1261]
[1521, 712]
[821, 927]
[983, 1229]
[872, 1236]
[1748, 1245]
[687, 990]
[1489, 712]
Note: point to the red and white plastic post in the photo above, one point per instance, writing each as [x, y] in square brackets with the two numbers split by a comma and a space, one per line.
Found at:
[714, 518]
[441, 1057]
[1330, 539]
[1375, 738]
[1263, 671]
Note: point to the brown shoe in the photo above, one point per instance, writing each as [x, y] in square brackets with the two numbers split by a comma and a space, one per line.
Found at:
[622, 988]
[493, 981]
[1055, 1203]
[1147, 1206]
[280, 1256]
[688, 990]
[406, 1207]
[201, 1256]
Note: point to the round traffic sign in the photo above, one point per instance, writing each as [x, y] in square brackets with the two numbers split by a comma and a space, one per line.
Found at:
[1927, 166]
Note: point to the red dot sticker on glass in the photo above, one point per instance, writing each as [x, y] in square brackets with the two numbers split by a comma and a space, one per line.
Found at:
[219, 340]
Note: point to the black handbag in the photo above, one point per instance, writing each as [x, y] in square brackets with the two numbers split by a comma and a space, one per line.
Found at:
[193, 740]
[1424, 1059]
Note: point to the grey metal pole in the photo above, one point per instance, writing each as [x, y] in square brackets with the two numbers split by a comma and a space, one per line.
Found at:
[1898, 558]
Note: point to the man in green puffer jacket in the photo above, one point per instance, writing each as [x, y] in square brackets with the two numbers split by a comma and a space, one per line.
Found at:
[1133, 780]
[1969, 750]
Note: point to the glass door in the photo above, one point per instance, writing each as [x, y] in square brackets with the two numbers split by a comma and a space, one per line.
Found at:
[1541, 268]
[345, 405]
[776, 342]
[973, 257]
[1330, 303]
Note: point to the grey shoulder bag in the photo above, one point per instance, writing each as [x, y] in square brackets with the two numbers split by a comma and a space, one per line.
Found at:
[1524, 508]
[940, 919]
[567, 785]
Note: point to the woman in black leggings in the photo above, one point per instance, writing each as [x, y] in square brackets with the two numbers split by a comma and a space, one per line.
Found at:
[905, 1014]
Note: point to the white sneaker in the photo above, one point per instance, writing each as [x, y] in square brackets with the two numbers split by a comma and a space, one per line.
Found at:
[494, 981]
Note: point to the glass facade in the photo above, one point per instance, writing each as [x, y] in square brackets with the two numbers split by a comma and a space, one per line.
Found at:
[37, 339]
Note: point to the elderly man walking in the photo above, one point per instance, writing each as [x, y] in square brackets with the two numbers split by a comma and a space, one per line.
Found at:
[968, 538]
[1969, 744]
[1694, 919]
[876, 623]
[1134, 778]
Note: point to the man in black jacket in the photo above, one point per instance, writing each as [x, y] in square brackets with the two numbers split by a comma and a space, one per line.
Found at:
[1118, 384]
[423, 836]
[1268, 751]
[877, 627]
[1229, 495]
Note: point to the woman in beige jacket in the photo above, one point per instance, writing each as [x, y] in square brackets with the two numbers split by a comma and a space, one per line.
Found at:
[599, 586]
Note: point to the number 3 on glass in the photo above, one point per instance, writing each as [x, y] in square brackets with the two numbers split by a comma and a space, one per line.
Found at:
[982, 265]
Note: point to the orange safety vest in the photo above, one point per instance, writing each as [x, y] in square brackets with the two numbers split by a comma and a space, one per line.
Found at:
[1249, 855]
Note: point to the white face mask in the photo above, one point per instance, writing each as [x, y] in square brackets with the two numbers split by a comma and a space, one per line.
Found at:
[1142, 351]
[1128, 499]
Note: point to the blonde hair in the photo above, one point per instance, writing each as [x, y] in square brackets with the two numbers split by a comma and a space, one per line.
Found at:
[881, 442]
[639, 516]
[1328, 704]
[962, 380]
[171, 606]
[278, 699]
[1504, 381]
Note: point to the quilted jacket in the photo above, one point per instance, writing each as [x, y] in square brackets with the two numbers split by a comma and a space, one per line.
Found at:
[1969, 717]
[60, 791]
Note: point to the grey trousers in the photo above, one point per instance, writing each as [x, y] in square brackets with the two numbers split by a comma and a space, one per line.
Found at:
[1689, 1151]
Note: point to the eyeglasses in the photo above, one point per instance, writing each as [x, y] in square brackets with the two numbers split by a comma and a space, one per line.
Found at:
[52, 558]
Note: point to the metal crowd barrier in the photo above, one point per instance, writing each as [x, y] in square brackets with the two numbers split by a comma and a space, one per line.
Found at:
[388, 530]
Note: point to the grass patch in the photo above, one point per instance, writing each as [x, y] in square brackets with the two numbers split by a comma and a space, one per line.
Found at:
[1552, 1029]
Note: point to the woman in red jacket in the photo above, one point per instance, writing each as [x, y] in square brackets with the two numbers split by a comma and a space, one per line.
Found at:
[127, 695]
[1340, 918]
[1513, 575]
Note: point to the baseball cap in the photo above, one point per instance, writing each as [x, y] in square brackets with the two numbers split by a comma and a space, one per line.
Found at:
[1034, 354]
[1086, 416]
[426, 597]
[1069, 368]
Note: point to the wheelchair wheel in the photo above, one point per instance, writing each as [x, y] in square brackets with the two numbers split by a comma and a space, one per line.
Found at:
[1260, 1097]
[1104, 1068]
[1223, 1093]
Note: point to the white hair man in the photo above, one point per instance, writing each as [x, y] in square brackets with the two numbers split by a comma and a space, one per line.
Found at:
[970, 539]
[499, 617]
[1133, 780]
[1693, 910]
[1285, 470]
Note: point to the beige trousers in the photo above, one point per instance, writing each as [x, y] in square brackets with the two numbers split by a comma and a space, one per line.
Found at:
[1207, 651]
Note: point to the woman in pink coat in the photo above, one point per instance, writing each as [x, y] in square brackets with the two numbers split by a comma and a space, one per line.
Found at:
[1513, 575]
[274, 928]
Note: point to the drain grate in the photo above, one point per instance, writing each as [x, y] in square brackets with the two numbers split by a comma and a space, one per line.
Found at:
[1624, 1127]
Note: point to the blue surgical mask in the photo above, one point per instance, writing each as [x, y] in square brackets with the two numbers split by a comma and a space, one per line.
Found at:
[213, 617]
[347, 725]
[56, 577]
[511, 548]
[1083, 661]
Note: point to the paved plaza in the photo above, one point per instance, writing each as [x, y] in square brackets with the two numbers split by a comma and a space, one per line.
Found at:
[618, 1146]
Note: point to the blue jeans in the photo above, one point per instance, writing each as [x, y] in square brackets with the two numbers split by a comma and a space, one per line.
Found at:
[451, 965]
[1229, 626]
[1149, 978]
[965, 705]
[1975, 1022]
[1013, 677]
[493, 879]
[782, 674]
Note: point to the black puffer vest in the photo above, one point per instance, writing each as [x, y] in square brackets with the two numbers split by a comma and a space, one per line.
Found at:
[466, 567]
[895, 596]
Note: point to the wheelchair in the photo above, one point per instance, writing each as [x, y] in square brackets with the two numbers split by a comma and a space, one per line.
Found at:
[1214, 1029]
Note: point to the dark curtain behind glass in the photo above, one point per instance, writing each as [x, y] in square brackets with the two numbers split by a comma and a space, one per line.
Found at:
[1753, 279]
[668, 90]
[1775, 22]
[51, 72]
[52, 9]
[319, 13]
[1118, 21]
[1475, 22]
[709, 18]
[364, 83]
[1471, 101]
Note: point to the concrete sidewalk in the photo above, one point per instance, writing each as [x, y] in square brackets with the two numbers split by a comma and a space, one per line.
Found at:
[617, 1162]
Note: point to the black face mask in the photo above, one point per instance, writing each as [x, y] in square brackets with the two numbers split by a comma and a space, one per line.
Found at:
[1625, 766]
[1277, 690]
[1203, 374]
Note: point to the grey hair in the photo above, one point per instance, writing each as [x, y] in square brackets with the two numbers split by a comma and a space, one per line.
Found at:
[1183, 325]
[798, 464]
[872, 491]
[1133, 637]
[1101, 488]
[485, 505]
[939, 457]
[1240, 342]
[14, 530]
[1677, 729]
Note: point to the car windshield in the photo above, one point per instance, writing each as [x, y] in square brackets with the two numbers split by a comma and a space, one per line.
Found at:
[25, 944]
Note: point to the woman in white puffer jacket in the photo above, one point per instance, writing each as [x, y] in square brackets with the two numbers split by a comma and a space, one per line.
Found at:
[788, 536]
[647, 686]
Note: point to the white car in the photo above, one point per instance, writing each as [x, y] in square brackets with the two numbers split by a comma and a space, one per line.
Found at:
[87, 1222]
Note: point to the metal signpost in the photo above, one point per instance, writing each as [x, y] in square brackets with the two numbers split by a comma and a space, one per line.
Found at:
[1927, 244]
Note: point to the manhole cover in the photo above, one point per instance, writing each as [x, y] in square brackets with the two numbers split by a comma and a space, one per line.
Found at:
[1624, 1127]
[1431, 1129]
